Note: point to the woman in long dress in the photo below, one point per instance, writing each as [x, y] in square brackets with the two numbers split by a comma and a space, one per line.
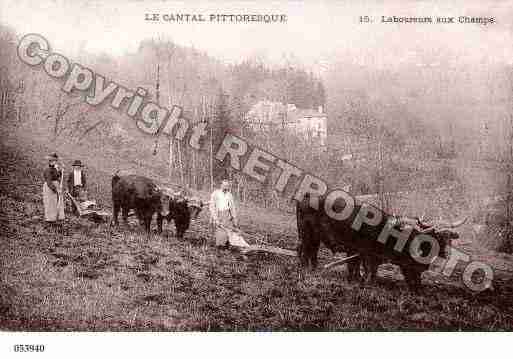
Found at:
[53, 198]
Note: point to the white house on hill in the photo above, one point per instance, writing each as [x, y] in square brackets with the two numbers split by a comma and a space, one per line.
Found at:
[310, 123]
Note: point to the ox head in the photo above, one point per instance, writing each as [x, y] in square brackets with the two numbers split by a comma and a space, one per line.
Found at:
[195, 205]
[442, 232]
[164, 202]
[166, 196]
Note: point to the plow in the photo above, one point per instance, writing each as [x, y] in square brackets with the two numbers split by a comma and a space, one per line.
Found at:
[88, 209]
[236, 239]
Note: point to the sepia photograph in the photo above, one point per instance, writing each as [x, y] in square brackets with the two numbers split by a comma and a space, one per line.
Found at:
[243, 166]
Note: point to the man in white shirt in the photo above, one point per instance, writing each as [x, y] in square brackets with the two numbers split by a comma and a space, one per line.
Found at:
[222, 213]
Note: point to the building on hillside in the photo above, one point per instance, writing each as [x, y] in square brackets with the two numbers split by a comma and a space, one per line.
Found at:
[309, 122]
[268, 115]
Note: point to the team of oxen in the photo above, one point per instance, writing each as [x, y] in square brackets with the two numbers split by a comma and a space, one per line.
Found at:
[364, 252]
[362, 245]
[146, 198]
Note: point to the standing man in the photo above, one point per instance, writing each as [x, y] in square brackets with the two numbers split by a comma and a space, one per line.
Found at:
[53, 199]
[222, 213]
[77, 180]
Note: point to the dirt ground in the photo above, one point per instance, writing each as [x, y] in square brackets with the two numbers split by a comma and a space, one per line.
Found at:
[88, 277]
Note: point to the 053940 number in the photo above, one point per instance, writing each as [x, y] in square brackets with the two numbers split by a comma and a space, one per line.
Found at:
[23, 348]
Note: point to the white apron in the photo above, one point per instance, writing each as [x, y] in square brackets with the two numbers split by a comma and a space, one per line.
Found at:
[54, 208]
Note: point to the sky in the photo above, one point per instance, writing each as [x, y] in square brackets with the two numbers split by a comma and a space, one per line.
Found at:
[316, 34]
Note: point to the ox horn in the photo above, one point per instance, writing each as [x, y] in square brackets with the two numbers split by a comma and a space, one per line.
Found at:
[444, 225]
[427, 230]
[452, 225]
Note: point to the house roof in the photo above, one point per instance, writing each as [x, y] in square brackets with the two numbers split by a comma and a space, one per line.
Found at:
[304, 113]
[276, 112]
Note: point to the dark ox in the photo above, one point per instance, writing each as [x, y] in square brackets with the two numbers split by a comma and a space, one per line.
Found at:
[181, 211]
[316, 227]
[138, 193]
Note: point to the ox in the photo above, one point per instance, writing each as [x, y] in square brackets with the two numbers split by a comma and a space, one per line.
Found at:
[316, 227]
[138, 193]
[180, 210]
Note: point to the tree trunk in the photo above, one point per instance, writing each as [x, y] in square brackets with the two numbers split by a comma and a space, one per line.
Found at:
[211, 158]
[170, 158]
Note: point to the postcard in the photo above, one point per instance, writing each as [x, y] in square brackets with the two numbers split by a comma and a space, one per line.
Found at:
[207, 177]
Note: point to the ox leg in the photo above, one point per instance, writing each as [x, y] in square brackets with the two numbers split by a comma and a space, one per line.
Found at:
[181, 227]
[160, 219]
[301, 252]
[308, 247]
[140, 217]
[413, 278]
[147, 223]
[353, 268]
[370, 267]
[115, 213]
[314, 251]
[124, 213]
[301, 255]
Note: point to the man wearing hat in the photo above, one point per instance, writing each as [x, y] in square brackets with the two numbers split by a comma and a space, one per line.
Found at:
[77, 180]
[53, 200]
[222, 213]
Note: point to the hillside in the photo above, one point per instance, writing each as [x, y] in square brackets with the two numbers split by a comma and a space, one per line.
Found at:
[89, 278]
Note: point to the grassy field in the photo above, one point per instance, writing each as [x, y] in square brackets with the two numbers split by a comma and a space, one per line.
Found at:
[87, 277]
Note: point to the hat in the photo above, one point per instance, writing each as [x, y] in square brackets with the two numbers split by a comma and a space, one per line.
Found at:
[77, 163]
[52, 157]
